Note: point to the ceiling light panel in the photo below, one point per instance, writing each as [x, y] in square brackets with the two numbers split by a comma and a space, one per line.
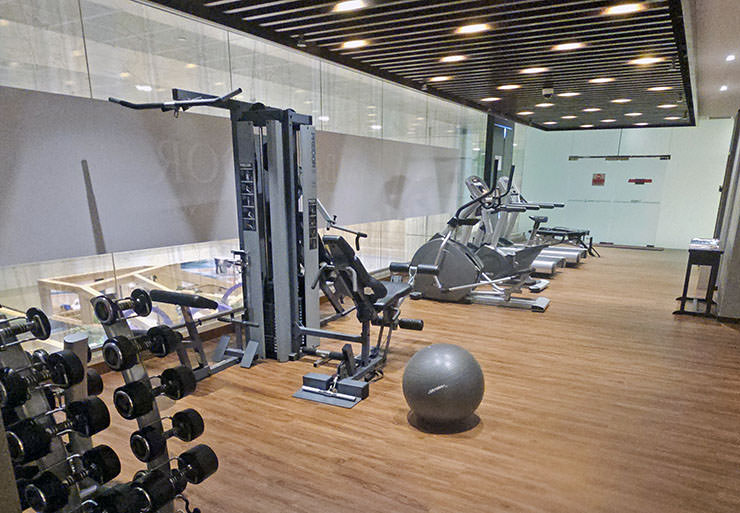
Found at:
[412, 41]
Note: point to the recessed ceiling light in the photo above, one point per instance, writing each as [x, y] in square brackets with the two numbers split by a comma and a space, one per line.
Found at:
[508, 87]
[440, 79]
[667, 106]
[371, 106]
[453, 58]
[191, 65]
[644, 61]
[659, 88]
[568, 117]
[473, 29]
[641, 124]
[723, 88]
[591, 109]
[525, 113]
[633, 114]
[490, 99]
[13, 64]
[730, 57]
[143, 87]
[672, 118]
[350, 5]
[420, 118]
[124, 74]
[569, 94]
[218, 83]
[323, 118]
[77, 53]
[623, 9]
[621, 100]
[550, 123]
[376, 127]
[544, 104]
[608, 120]
[563, 47]
[587, 126]
[534, 71]
[601, 80]
[354, 43]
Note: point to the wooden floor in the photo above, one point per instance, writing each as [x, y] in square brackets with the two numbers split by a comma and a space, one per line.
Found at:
[606, 402]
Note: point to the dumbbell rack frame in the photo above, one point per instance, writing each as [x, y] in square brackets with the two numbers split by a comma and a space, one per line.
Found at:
[15, 356]
[139, 373]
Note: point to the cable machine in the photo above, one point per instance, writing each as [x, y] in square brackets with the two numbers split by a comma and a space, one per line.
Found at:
[275, 178]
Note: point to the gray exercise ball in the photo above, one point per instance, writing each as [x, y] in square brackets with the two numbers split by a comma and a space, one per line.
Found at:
[443, 384]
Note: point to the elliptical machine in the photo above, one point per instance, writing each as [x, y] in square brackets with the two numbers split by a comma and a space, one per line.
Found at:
[461, 269]
[573, 253]
[486, 236]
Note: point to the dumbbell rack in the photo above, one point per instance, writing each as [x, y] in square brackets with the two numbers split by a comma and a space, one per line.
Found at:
[13, 355]
[138, 372]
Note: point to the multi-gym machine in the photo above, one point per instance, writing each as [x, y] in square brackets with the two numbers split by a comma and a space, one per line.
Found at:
[275, 177]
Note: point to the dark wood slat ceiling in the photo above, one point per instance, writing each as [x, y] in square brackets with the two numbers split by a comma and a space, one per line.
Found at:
[406, 40]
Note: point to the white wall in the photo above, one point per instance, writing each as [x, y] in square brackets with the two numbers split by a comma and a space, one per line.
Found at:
[681, 203]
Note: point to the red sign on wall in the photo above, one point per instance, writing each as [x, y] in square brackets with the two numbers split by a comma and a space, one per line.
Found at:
[599, 179]
[640, 181]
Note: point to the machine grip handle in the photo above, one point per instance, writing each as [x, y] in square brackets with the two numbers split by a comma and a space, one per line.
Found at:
[427, 269]
[513, 209]
[399, 267]
[468, 221]
[411, 324]
[179, 298]
[559, 205]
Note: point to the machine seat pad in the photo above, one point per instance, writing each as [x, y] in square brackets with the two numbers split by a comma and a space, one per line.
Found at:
[563, 231]
[395, 291]
[182, 299]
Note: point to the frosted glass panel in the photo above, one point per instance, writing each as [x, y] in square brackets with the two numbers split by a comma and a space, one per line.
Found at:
[41, 46]
[444, 123]
[404, 114]
[139, 53]
[350, 102]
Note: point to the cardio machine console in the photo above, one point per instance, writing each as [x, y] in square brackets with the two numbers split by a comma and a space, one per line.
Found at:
[477, 187]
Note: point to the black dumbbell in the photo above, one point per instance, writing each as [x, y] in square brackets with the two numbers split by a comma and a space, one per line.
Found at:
[48, 492]
[137, 398]
[29, 440]
[150, 442]
[23, 477]
[63, 369]
[116, 499]
[109, 310]
[35, 322]
[94, 382]
[156, 487]
[121, 353]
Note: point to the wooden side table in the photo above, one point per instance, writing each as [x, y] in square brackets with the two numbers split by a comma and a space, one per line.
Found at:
[705, 256]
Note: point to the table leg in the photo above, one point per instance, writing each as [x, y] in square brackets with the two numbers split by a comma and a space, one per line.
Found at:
[710, 288]
[685, 286]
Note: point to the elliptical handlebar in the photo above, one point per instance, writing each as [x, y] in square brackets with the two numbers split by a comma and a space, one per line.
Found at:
[178, 105]
[455, 220]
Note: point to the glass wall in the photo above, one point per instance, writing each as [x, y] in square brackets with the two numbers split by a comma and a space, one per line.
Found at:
[122, 48]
